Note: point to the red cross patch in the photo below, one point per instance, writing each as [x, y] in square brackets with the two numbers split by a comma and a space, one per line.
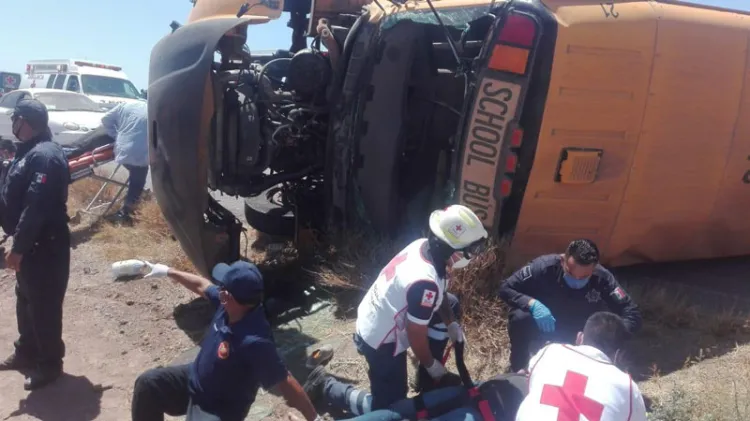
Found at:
[570, 399]
[428, 298]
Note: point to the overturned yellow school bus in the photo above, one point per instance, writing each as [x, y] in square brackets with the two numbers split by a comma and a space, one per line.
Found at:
[624, 122]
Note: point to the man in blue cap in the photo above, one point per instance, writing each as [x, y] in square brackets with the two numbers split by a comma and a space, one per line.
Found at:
[237, 355]
[33, 210]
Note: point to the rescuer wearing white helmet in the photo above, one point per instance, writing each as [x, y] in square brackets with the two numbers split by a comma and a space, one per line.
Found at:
[408, 307]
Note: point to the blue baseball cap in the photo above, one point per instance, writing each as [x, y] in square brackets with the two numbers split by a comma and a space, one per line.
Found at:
[241, 279]
[33, 111]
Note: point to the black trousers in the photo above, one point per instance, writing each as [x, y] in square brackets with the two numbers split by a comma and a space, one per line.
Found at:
[40, 290]
[526, 338]
[165, 390]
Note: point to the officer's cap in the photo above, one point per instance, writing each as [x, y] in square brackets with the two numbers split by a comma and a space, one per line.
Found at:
[241, 279]
[33, 111]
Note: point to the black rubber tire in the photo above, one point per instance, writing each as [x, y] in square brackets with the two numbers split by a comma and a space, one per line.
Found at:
[268, 216]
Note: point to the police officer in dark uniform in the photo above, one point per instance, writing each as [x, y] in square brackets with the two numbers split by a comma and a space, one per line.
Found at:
[552, 297]
[33, 210]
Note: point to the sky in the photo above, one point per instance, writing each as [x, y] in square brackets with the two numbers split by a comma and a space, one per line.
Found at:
[122, 32]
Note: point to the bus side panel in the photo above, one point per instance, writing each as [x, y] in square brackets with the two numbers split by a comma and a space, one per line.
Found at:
[597, 93]
[686, 139]
[731, 228]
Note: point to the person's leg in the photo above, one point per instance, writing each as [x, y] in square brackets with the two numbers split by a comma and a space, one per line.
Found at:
[437, 333]
[388, 382]
[47, 269]
[25, 353]
[196, 413]
[161, 391]
[136, 183]
[436, 402]
[522, 330]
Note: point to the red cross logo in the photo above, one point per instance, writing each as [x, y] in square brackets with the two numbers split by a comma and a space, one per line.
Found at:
[390, 269]
[429, 295]
[459, 228]
[570, 400]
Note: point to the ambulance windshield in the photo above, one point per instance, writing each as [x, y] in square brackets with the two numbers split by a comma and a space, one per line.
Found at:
[109, 86]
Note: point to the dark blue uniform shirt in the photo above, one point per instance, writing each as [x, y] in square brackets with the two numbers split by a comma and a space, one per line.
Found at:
[33, 199]
[233, 362]
[542, 279]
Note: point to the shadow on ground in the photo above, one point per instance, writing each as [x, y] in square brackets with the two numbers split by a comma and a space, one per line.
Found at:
[692, 311]
[69, 398]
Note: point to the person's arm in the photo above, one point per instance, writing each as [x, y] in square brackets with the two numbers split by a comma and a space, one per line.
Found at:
[421, 298]
[46, 181]
[514, 290]
[265, 361]
[619, 301]
[638, 407]
[296, 397]
[110, 120]
[194, 283]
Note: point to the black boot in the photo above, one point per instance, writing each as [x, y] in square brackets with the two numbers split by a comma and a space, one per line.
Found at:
[314, 384]
[17, 362]
[40, 378]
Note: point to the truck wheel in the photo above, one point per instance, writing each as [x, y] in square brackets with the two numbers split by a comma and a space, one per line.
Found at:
[268, 215]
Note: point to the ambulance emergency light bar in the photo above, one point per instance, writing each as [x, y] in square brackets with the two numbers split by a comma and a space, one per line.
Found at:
[98, 65]
[61, 68]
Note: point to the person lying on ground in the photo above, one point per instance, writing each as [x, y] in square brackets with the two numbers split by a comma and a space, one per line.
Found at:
[408, 307]
[568, 382]
[503, 394]
[552, 296]
[238, 355]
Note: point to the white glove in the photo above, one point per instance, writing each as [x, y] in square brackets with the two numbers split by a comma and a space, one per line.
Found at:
[436, 370]
[456, 333]
[157, 270]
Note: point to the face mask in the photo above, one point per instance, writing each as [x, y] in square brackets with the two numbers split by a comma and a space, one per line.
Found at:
[575, 283]
[16, 128]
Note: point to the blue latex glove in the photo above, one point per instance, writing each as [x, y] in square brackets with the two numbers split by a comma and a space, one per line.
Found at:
[543, 317]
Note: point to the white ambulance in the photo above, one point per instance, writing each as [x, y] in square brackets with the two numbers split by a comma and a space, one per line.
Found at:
[106, 84]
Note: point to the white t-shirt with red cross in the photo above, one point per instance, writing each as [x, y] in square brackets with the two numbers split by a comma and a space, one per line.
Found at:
[408, 288]
[579, 383]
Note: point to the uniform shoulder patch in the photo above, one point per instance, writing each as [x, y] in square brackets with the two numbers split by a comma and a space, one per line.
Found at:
[428, 298]
[40, 178]
[619, 294]
[526, 272]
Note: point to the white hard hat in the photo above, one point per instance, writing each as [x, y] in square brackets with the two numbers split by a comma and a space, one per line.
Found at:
[458, 226]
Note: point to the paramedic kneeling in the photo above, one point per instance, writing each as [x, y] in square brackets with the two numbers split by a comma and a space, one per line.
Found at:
[34, 211]
[237, 356]
[408, 306]
[570, 382]
[556, 293]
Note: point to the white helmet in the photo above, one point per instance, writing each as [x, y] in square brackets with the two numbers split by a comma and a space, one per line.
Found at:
[459, 227]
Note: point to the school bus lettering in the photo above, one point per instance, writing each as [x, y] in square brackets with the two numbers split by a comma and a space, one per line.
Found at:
[494, 107]
[477, 197]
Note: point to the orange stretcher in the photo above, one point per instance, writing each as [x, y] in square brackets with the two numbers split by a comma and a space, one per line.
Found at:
[85, 165]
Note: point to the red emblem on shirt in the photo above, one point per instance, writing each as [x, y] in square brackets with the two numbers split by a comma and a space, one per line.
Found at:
[223, 351]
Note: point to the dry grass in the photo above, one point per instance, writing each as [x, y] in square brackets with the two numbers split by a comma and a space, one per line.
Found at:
[149, 238]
